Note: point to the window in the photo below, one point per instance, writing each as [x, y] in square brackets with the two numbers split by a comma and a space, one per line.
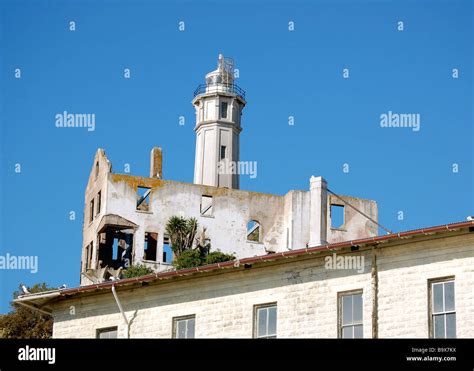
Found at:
[107, 333]
[151, 242]
[206, 206]
[253, 231]
[337, 216]
[167, 251]
[143, 198]
[91, 211]
[99, 196]
[223, 152]
[442, 307]
[183, 327]
[97, 169]
[265, 321]
[88, 256]
[223, 110]
[350, 315]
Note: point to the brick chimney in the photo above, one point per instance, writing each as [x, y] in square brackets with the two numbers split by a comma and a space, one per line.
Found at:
[156, 163]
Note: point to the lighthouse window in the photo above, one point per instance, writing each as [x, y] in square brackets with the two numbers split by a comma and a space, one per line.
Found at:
[224, 110]
[223, 151]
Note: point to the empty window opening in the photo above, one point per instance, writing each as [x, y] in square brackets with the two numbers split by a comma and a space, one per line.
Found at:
[106, 333]
[151, 242]
[265, 321]
[184, 327]
[143, 198]
[91, 211]
[167, 251]
[253, 231]
[88, 256]
[223, 152]
[115, 249]
[99, 201]
[206, 205]
[443, 310]
[350, 315]
[337, 216]
[97, 169]
[224, 110]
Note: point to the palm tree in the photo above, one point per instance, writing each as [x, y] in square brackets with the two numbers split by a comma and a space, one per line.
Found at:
[181, 232]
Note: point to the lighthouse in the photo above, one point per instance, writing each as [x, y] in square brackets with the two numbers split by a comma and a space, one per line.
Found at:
[219, 104]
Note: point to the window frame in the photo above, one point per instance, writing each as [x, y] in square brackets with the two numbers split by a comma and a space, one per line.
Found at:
[340, 326]
[209, 212]
[91, 210]
[183, 318]
[102, 330]
[256, 309]
[432, 314]
[221, 110]
[99, 202]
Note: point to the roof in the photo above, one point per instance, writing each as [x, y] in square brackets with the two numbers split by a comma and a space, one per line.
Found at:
[41, 301]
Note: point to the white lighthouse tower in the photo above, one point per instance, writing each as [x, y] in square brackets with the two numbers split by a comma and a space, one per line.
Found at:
[219, 103]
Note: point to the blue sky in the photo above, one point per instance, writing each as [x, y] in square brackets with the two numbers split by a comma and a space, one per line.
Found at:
[285, 73]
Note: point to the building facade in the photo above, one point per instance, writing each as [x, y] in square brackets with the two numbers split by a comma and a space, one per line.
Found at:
[414, 284]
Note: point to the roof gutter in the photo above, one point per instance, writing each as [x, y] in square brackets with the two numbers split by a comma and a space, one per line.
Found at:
[267, 258]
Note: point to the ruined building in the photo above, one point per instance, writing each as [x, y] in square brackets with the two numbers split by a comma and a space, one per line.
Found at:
[298, 273]
[125, 215]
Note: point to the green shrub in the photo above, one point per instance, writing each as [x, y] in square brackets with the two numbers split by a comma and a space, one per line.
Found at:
[217, 257]
[188, 259]
[136, 271]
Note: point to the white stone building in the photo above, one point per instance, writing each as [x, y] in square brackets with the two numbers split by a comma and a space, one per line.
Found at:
[296, 273]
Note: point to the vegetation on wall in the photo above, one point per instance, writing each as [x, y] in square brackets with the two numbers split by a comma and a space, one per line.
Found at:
[191, 250]
[136, 271]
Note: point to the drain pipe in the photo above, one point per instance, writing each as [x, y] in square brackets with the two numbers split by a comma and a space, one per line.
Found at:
[375, 293]
[121, 311]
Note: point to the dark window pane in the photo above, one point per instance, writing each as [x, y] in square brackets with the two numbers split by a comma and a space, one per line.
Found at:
[190, 334]
[224, 110]
[439, 326]
[272, 321]
[449, 296]
[437, 297]
[347, 332]
[451, 325]
[358, 332]
[262, 322]
[357, 307]
[347, 309]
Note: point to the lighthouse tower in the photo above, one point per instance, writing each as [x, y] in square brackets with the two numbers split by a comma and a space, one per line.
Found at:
[219, 104]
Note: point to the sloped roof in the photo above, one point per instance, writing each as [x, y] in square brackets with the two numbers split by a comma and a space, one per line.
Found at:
[42, 301]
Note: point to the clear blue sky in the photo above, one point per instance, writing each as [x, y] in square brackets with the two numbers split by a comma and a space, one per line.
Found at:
[285, 74]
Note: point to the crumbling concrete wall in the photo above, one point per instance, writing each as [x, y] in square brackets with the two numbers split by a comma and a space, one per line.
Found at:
[96, 183]
[226, 227]
[355, 224]
[285, 221]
